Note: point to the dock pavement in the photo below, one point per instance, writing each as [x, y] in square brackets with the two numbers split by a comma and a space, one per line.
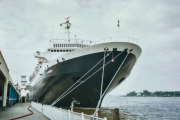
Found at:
[20, 109]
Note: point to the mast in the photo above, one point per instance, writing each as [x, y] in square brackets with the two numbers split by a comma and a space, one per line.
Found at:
[68, 25]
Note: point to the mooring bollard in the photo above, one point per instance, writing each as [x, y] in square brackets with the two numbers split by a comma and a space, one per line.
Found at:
[115, 113]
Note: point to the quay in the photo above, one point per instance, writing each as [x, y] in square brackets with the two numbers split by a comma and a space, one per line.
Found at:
[21, 109]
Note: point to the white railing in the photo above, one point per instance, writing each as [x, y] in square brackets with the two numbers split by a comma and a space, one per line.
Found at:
[80, 43]
[118, 39]
[74, 41]
[55, 113]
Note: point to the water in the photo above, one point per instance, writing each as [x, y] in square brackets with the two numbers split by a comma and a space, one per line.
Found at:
[145, 108]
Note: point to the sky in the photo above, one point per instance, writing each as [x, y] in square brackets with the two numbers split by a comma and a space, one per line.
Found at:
[27, 27]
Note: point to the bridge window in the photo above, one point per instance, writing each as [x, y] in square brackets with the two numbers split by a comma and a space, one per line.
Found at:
[54, 50]
[51, 50]
[63, 50]
[60, 50]
[54, 45]
[57, 50]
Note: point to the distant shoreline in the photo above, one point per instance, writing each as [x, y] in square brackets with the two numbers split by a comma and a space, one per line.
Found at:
[146, 93]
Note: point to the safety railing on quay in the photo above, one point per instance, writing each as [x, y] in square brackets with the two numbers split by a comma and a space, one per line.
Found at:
[55, 113]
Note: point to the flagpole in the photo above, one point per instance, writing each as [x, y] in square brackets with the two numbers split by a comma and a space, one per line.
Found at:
[118, 25]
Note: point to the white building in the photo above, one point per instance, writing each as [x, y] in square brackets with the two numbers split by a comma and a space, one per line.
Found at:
[139, 94]
[23, 89]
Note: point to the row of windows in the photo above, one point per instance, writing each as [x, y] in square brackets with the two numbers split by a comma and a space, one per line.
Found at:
[70, 45]
[61, 50]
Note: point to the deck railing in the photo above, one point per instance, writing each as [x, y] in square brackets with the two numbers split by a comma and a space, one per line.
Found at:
[118, 39]
[73, 41]
[105, 39]
[55, 113]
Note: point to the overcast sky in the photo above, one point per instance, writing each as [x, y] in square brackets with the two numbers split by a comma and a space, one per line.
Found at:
[27, 26]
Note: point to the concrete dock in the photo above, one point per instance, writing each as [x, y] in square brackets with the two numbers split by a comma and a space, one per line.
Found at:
[21, 109]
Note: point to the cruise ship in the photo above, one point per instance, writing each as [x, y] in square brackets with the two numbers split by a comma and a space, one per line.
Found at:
[82, 70]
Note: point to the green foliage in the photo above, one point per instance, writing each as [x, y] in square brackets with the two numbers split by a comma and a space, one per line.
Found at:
[157, 93]
[132, 93]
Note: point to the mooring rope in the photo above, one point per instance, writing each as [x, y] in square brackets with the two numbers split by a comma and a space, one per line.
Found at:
[97, 108]
[102, 74]
[58, 99]
[79, 80]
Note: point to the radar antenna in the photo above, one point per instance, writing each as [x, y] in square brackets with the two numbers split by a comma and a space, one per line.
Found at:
[68, 25]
